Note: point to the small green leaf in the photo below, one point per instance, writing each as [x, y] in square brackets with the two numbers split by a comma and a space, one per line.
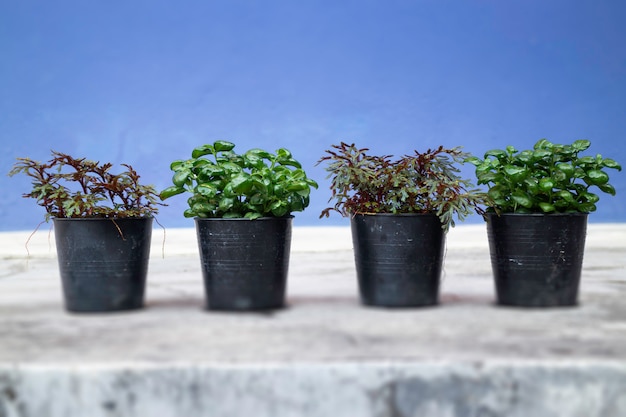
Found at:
[180, 177]
[497, 192]
[228, 191]
[241, 184]
[486, 166]
[607, 188]
[257, 199]
[487, 177]
[222, 146]
[170, 192]
[502, 203]
[581, 145]
[567, 168]
[598, 177]
[203, 207]
[305, 192]
[188, 213]
[590, 197]
[585, 160]
[297, 186]
[231, 168]
[297, 205]
[283, 153]
[517, 174]
[259, 153]
[563, 152]
[532, 185]
[522, 199]
[202, 150]
[253, 160]
[546, 184]
[525, 157]
[279, 189]
[540, 154]
[197, 163]
[174, 165]
[225, 204]
[258, 184]
[290, 162]
[279, 208]
[610, 163]
[211, 170]
[587, 207]
[474, 161]
[206, 190]
[546, 207]
[559, 176]
[543, 144]
[566, 196]
[496, 153]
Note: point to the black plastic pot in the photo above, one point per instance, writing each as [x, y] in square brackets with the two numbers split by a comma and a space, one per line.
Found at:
[244, 262]
[537, 258]
[103, 262]
[398, 258]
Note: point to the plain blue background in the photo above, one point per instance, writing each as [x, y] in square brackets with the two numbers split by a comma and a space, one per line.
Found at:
[145, 81]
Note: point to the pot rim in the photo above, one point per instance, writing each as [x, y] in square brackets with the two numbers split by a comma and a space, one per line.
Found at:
[573, 214]
[201, 219]
[393, 214]
[101, 218]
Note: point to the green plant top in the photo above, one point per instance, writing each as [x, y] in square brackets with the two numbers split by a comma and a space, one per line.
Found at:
[76, 187]
[550, 178]
[225, 184]
[420, 183]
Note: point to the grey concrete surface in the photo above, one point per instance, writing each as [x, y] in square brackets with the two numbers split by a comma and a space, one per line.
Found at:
[324, 355]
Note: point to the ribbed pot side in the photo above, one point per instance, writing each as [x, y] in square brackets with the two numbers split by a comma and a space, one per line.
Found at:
[103, 263]
[244, 262]
[398, 258]
[537, 258]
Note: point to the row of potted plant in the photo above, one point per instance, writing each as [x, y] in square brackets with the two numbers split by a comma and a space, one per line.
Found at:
[535, 205]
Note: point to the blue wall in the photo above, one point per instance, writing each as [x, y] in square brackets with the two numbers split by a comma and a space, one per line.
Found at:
[145, 81]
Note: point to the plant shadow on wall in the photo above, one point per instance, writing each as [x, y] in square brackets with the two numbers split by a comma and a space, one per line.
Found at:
[539, 200]
[103, 228]
[400, 211]
[242, 205]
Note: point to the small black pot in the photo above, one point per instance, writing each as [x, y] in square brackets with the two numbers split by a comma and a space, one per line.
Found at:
[244, 262]
[398, 258]
[537, 258]
[103, 262]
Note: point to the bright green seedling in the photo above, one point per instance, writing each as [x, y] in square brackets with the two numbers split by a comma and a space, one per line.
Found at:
[550, 178]
[225, 184]
[425, 182]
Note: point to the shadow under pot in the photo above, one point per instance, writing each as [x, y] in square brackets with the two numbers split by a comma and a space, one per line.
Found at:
[537, 258]
[398, 258]
[103, 262]
[244, 262]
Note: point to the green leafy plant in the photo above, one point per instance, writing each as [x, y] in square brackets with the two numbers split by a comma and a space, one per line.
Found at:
[229, 185]
[550, 178]
[76, 187]
[425, 182]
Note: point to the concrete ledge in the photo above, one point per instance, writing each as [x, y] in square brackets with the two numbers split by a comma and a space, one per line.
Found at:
[349, 389]
[325, 355]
